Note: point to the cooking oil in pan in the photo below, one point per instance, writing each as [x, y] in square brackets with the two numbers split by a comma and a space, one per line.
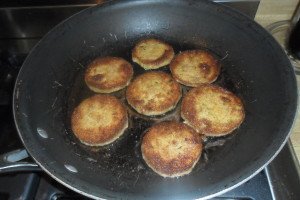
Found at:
[123, 157]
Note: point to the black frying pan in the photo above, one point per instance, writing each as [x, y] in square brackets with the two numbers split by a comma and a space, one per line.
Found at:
[50, 84]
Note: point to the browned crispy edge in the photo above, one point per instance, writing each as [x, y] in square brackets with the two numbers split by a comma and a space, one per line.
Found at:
[189, 113]
[178, 166]
[168, 54]
[121, 82]
[92, 136]
[167, 105]
[213, 64]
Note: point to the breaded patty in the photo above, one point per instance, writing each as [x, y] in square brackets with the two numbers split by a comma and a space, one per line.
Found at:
[212, 110]
[194, 67]
[108, 74]
[152, 53]
[99, 120]
[153, 93]
[171, 149]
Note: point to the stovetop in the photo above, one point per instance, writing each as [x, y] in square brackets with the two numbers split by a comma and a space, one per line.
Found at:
[38, 185]
[279, 180]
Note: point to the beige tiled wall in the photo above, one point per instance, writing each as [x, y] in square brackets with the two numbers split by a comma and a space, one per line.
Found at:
[270, 11]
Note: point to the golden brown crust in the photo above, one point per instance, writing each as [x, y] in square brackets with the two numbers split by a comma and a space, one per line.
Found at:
[194, 67]
[212, 110]
[171, 149]
[108, 74]
[99, 120]
[152, 53]
[153, 93]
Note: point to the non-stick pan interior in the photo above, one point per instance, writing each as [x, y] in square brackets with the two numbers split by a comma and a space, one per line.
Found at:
[51, 84]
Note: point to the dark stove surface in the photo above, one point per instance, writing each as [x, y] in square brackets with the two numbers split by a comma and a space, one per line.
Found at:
[9, 66]
[41, 186]
[279, 180]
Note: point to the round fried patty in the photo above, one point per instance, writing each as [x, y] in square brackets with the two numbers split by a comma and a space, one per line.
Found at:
[153, 93]
[108, 74]
[171, 149]
[99, 120]
[194, 67]
[212, 110]
[152, 53]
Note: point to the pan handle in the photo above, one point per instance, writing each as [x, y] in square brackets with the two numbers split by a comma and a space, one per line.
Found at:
[12, 162]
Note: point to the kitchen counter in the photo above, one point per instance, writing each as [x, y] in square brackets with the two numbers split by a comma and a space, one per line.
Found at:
[271, 11]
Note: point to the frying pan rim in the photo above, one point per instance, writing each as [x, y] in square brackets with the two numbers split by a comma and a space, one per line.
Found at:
[60, 178]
